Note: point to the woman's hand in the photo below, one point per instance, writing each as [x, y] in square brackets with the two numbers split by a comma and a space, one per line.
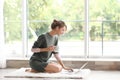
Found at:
[51, 48]
[69, 69]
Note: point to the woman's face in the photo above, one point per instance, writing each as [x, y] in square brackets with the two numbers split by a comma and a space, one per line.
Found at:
[61, 30]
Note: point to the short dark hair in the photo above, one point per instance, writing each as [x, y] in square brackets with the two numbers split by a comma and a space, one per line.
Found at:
[58, 23]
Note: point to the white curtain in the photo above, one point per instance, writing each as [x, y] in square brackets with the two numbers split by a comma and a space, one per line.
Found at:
[2, 43]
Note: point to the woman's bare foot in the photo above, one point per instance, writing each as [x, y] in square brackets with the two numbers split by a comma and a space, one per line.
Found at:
[31, 70]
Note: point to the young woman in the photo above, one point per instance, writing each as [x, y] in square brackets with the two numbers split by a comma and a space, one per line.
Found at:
[44, 47]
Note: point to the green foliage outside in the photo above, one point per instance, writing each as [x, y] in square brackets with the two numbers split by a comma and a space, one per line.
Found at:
[104, 15]
[107, 13]
[12, 20]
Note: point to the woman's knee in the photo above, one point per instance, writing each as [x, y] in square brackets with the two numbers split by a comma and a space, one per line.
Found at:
[52, 67]
[58, 68]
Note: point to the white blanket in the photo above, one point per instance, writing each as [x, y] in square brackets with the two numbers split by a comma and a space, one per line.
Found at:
[20, 73]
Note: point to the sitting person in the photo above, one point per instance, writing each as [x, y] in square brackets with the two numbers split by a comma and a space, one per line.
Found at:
[44, 47]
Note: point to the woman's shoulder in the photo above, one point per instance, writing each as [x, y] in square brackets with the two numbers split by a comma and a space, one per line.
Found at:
[42, 36]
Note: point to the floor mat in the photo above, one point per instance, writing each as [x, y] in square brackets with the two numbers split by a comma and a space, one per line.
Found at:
[20, 73]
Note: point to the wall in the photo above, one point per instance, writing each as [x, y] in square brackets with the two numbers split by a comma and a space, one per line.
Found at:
[92, 64]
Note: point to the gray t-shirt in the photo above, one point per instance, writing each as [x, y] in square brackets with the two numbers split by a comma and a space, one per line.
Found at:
[44, 41]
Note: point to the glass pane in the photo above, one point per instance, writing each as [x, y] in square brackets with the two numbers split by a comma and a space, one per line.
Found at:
[13, 27]
[42, 13]
[104, 28]
[111, 38]
[95, 42]
[72, 42]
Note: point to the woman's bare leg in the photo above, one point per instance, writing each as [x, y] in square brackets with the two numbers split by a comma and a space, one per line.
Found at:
[53, 67]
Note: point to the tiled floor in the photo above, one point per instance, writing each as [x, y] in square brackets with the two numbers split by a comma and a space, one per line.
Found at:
[94, 75]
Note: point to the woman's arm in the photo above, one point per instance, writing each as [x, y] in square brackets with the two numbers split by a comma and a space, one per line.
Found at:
[57, 56]
[36, 50]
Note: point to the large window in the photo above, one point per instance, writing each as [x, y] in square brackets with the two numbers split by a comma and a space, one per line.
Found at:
[41, 14]
[93, 26]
